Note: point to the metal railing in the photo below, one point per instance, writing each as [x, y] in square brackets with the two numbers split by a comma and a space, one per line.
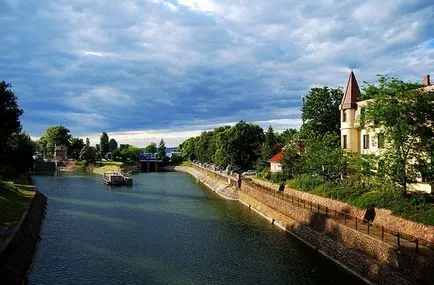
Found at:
[397, 238]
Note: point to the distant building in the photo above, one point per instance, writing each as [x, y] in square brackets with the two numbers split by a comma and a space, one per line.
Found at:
[60, 153]
[275, 162]
[356, 139]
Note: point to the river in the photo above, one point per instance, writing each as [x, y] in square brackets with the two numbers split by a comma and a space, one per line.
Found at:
[165, 229]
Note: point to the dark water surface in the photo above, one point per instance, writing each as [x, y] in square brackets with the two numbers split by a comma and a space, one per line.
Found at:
[165, 229]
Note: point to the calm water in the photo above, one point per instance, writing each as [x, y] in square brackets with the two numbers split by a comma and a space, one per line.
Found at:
[165, 230]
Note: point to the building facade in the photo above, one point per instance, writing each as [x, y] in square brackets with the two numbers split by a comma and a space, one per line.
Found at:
[355, 138]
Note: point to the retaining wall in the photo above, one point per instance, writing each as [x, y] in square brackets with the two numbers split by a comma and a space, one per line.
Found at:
[383, 217]
[17, 255]
[365, 255]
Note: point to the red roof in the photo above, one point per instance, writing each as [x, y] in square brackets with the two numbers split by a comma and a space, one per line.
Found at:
[352, 93]
[277, 158]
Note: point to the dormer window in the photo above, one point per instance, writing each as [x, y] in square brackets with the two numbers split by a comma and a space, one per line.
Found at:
[344, 115]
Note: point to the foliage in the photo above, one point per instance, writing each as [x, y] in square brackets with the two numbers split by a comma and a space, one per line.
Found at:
[305, 182]
[267, 149]
[113, 145]
[277, 177]
[9, 116]
[176, 159]
[161, 153]
[404, 113]
[292, 161]
[129, 152]
[88, 154]
[320, 111]
[104, 145]
[56, 135]
[151, 148]
[75, 147]
[19, 152]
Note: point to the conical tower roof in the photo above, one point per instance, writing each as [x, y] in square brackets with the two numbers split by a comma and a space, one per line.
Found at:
[352, 93]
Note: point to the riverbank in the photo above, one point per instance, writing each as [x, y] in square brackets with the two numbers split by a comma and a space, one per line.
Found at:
[371, 259]
[18, 250]
[221, 188]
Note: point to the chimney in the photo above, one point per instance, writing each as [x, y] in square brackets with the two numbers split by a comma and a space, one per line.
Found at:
[426, 81]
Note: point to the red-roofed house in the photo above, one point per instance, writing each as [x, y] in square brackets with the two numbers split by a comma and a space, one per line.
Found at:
[275, 165]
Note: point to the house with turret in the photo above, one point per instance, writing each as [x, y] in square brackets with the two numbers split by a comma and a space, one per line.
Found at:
[357, 139]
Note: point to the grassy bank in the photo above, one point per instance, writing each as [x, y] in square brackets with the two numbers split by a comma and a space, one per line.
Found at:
[373, 192]
[14, 200]
[106, 166]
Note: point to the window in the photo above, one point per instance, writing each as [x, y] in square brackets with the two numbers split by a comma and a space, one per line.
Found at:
[380, 140]
[344, 115]
[344, 141]
[365, 141]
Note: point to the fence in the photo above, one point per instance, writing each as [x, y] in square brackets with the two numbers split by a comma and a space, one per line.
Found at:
[397, 238]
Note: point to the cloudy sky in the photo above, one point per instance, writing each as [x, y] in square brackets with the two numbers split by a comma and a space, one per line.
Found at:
[146, 70]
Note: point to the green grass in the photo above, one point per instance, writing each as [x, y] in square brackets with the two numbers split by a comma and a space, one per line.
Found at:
[14, 200]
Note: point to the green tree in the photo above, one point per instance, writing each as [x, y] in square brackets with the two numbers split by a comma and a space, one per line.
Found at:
[151, 148]
[243, 145]
[104, 144]
[56, 135]
[76, 145]
[161, 153]
[320, 111]
[88, 154]
[404, 114]
[113, 145]
[267, 149]
[19, 152]
[9, 116]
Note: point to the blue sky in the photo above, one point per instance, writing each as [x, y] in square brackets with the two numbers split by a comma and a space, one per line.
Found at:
[146, 70]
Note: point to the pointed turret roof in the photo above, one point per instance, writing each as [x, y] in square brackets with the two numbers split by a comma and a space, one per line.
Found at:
[352, 93]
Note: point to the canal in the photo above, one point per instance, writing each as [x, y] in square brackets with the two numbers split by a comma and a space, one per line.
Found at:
[165, 229]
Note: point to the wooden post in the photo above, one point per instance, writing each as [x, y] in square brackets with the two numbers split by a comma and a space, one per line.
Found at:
[311, 206]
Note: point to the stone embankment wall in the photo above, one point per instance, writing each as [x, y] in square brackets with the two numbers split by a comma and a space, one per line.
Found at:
[383, 217]
[17, 255]
[366, 256]
[220, 186]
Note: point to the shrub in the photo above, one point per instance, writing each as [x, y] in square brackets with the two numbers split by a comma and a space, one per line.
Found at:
[277, 177]
[306, 182]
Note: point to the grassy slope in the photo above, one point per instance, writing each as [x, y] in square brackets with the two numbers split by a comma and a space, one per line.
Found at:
[111, 166]
[14, 200]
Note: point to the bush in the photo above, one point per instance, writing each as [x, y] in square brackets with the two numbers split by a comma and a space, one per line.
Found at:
[265, 174]
[306, 182]
[277, 177]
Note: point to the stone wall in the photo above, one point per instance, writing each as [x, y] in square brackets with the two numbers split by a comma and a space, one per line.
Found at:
[383, 217]
[361, 253]
[17, 256]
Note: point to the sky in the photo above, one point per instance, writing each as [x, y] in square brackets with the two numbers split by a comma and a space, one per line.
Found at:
[149, 70]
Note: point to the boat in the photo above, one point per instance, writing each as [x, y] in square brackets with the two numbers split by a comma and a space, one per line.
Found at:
[117, 178]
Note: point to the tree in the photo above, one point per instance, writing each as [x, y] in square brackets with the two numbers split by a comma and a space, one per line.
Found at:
[56, 135]
[88, 154]
[19, 152]
[151, 148]
[104, 144]
[76, 145]
[267, 149]
[113, 145]
[320, 111]
[161, 153]
[404, 114]
[87, 142]
[9, 116]
[243, 145]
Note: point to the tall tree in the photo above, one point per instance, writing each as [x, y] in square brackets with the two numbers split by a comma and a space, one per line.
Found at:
[243, 144]
[19, 152]
[151, 148]
[161, 154]
[113, 145]
[104, 144]
[9, 116]
[320, 111]
[267, 149]
[404, 114]
[75, 147]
